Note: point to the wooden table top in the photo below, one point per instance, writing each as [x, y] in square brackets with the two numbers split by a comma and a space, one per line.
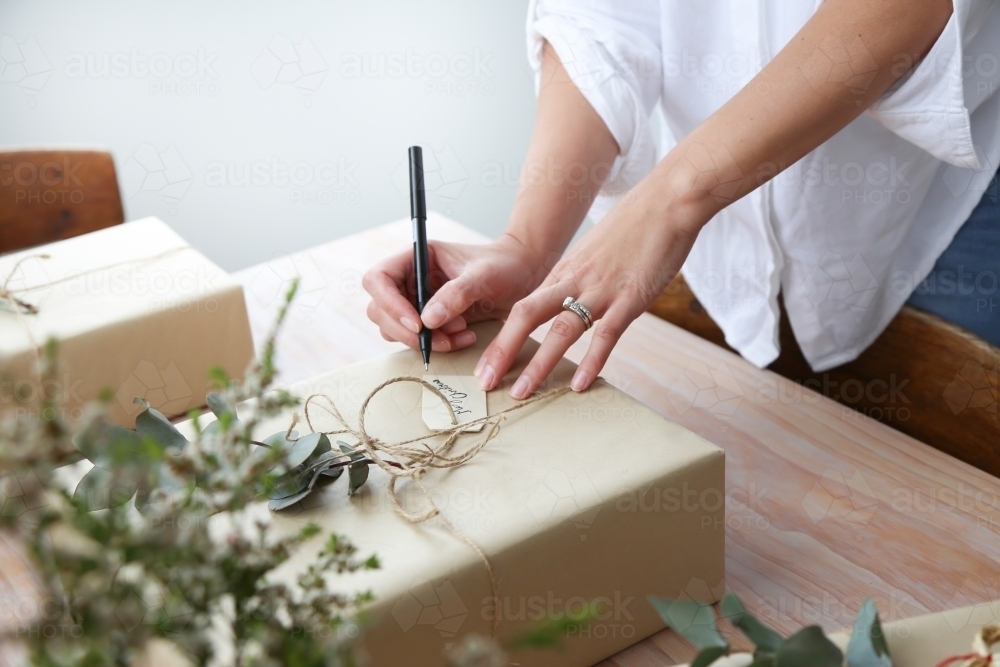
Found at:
[825, 507]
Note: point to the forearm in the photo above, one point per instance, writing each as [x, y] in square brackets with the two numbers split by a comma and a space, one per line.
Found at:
[794, 104]
[570, 155]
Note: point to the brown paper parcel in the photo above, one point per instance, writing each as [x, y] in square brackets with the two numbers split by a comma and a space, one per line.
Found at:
[136, 311]
[586, 497]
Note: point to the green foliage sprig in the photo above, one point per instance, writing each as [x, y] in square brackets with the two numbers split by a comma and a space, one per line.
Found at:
[191, 560]
[809, 647]
[128, 464]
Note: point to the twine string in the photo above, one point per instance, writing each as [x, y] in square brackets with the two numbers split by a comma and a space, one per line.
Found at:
[22, 308]
[27, 308]
[414, 461]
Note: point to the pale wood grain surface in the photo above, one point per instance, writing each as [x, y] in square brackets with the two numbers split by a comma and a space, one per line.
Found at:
[825, 506]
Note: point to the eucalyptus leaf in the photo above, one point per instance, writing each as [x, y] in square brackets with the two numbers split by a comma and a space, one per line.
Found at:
[215, 427]
[107, 445]
[335, 473]
[709, 655]
[305, 481]
[319, 462]
[301, 449]
[358, 475]
[352, 450]
[281, 503]
[809, 646]
[143, 496]
[302, 477]
[154, 424]
[279, 440]
[318, 459]
[220, 404]
[324, 445]
[288, 485]
[308, 457]
[158, 484]
[100, 489]
[691, 619]
[320, 449]
[765, 638]
[867, 647]
[276, 441]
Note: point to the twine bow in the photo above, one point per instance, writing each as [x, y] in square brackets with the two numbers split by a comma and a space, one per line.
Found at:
[410, 461]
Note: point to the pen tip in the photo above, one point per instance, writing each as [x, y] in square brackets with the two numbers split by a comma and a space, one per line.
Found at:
[426, 367]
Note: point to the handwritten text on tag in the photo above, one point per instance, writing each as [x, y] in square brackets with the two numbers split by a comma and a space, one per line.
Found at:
[463, 393]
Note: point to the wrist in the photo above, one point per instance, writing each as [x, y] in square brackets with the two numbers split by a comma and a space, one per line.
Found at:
[527, 265]
[542, 223]
[694, 184]
[668, 207]
[531, 257]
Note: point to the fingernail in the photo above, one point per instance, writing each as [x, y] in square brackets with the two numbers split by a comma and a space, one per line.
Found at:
[479, 366]
[486, 379]
[410, 324]
[434, 315]
[520, 388]
[580, 379]
[464, 338]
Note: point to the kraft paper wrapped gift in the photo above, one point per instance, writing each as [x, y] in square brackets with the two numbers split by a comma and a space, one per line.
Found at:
[136, 310]
[584, 497]
[923, 641]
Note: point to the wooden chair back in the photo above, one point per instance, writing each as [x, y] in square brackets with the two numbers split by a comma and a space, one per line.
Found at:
[923, 376]
[48, 195]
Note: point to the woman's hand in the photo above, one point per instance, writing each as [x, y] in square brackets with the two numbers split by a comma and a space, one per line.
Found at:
[616, 270]
[472, 283]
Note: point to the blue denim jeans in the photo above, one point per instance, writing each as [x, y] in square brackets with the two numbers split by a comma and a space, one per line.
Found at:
[963, 286]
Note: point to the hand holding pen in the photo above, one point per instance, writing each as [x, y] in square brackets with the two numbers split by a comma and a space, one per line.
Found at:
[479, 281]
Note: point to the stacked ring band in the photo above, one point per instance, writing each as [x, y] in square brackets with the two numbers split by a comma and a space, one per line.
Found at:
[569, 303]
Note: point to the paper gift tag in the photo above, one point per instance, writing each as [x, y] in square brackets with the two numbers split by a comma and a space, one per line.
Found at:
[466, 398]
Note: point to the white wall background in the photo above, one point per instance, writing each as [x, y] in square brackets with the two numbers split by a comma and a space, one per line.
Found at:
[256, 129]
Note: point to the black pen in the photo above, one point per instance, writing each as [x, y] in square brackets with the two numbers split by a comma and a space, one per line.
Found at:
[418, 213]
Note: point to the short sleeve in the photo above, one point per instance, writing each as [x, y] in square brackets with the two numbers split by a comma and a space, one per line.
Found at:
[611, 50]
[930, 107]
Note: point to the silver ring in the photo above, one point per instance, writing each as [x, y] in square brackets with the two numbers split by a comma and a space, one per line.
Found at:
[569, 303]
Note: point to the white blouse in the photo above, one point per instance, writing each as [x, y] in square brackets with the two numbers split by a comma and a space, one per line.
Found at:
[850, 230]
